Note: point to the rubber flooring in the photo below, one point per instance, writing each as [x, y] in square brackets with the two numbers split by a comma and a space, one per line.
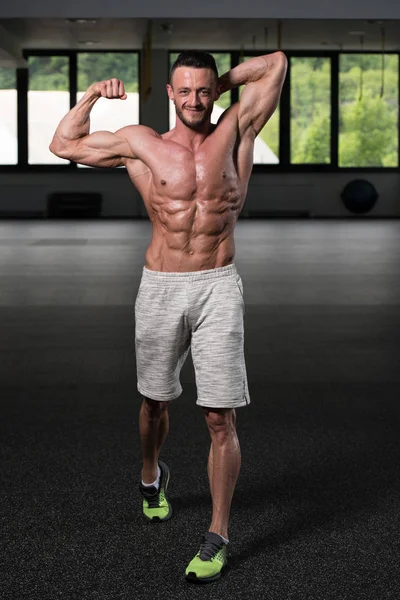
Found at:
[315, 514]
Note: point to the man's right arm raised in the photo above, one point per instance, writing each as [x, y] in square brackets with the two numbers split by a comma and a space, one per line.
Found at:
[100, 149]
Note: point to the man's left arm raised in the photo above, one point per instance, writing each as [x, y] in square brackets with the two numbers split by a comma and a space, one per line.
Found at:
[263, 78]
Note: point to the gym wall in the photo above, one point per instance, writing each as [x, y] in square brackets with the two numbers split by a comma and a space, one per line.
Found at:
[314, 193]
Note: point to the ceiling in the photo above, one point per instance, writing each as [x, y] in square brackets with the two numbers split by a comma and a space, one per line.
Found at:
[210, 34]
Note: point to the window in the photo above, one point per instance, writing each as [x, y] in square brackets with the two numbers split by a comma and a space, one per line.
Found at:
[360, 103]
[223, 62]
[8, 117]
[110, 115]
[48, 103]
[310, 110]
[368, 110]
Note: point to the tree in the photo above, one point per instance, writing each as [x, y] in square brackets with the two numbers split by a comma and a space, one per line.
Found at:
[367, 136]
[314, 147]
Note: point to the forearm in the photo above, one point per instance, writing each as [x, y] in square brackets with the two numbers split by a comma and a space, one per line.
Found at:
[76, 122]
[250, 70]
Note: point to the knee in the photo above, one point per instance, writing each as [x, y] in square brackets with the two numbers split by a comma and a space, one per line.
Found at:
[154, 408]
[220, 422]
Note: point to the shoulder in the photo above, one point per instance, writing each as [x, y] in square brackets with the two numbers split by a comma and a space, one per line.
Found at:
[140, 139]
[131, 131]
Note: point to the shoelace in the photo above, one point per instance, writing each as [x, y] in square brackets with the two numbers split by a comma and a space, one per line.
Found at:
[209, 549]
[154, 501]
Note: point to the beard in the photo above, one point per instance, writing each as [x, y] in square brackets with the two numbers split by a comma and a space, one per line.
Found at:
[198, 119]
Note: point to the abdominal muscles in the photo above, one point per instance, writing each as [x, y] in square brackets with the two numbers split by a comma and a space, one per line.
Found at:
[195, 234]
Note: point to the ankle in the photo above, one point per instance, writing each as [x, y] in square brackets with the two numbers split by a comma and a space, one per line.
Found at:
[150, 477]
[223, 535]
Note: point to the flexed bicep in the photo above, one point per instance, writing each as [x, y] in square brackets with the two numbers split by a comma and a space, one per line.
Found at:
[101, 149]
[107, 149]
[260, 98]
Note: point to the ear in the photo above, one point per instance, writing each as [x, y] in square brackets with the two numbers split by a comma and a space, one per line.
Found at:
[170, 92]
[218, 93]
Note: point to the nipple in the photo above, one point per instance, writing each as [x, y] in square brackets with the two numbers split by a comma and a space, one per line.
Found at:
[163, 182]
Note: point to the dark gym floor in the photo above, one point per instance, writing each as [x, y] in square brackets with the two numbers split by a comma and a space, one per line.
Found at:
[315, 513]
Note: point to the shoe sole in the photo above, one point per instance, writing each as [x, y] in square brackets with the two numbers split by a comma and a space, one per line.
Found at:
[192, 577]
[169, 515]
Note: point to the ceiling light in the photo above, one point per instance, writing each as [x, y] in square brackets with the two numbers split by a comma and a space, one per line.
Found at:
[81, 21]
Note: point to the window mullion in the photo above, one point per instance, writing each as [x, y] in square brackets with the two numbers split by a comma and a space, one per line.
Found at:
[73, 88]
[234, 63]
[334, 109]
[22, 118]
[284, 120]
[73, 79]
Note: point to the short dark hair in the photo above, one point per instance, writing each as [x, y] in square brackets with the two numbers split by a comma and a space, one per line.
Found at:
[195, 59]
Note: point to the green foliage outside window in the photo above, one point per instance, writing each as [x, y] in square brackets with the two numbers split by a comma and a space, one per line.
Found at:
[310, 105]
[368, 126]
[8, 78]
[93, 66]
[51, 73]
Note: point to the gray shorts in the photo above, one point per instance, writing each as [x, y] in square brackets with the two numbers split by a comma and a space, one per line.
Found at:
[203, 310]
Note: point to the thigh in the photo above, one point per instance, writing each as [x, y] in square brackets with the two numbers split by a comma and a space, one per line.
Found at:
[218, 347]
[162, 339]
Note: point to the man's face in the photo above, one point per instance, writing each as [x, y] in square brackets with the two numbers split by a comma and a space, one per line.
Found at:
[193, 92]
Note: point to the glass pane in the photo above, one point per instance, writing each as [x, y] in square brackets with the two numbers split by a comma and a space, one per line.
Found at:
[110, 115]
[223, 62]
[368, 110]
[8, 117]
[48, 103]
[266, 146]
[310, 110]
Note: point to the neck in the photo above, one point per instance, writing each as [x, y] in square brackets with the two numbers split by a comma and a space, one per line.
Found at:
[192, 137]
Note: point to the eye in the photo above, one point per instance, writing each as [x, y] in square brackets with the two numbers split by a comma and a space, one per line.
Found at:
[182, 92]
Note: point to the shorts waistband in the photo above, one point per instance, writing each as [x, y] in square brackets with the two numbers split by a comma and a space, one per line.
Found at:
[190, 276]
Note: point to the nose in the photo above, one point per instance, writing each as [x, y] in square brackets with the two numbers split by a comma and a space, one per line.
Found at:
[194, 99]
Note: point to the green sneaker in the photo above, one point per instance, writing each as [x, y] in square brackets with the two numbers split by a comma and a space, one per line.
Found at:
[208, 563]
[155, 503]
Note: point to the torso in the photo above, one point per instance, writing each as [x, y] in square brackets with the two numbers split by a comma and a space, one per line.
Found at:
[194, 199]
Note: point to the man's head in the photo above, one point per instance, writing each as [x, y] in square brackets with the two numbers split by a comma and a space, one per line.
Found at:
[193, 87]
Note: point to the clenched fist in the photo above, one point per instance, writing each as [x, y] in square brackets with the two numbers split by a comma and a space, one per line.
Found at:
[111, 88]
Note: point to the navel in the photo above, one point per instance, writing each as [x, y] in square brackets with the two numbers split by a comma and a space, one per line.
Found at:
[223, 174]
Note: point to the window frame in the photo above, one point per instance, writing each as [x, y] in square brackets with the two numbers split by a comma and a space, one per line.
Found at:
[284, 165]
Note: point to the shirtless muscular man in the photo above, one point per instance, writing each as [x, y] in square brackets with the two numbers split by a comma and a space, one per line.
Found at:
[193, 181]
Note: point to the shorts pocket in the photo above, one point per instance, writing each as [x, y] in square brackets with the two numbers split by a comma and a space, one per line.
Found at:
[239, 285]
[141, 288]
